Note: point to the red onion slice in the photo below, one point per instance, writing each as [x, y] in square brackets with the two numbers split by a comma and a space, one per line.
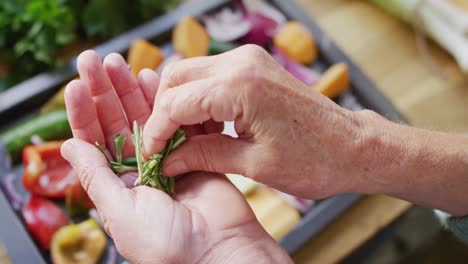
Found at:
[262, 29]
[226, 25]
[301, 72]
[265, 9]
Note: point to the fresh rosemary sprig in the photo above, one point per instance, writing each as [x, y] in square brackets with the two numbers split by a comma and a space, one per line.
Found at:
[150, 171]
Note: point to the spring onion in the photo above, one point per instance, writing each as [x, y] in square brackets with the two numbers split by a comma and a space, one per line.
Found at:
[444, 22]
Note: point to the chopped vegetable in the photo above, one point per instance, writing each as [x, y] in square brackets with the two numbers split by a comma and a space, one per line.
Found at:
[142, 54]
[46, 173]
[274, 214]
[82, 243]
[218, 47]
[295, 40]
[334, 81]
[244, 185]
[226, 25]
[51, 126]
[262, 30]
[190, 38]
[301, 72]
[43, 218]
[77, 200]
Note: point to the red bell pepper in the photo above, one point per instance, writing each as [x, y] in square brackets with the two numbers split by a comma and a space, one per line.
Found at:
[43, 218]
[46, 172]
[77, 200]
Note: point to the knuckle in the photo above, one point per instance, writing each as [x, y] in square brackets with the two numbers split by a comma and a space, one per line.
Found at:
[203, 157]
[170, 73]
[254, 51]
[165, 103]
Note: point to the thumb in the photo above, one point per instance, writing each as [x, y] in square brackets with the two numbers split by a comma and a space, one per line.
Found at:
[98, 180]
[210, 153]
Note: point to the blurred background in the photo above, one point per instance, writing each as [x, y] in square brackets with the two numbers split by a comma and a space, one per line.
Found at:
[413, 52]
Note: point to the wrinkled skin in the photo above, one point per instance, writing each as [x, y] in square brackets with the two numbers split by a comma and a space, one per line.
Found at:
[290, 136]
[207, 221]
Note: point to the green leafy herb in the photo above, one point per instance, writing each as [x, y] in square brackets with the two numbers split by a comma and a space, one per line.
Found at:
[150, 171]
[31, 32]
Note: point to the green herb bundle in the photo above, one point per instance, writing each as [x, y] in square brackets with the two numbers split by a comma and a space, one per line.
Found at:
[33, 32]
[150, 171]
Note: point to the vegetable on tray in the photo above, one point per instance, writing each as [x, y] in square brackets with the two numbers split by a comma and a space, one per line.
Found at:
[82, 243]
[77, 200]
[46, 173]
[142, 54]
[334, 81]
[295, 40]
[43, 218]
[50, 126]
[190, 38]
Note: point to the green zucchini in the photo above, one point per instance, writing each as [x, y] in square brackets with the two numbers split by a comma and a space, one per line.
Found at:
[50, 126]
[218, 47]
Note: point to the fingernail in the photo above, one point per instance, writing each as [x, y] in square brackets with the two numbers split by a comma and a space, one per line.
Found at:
[175, 167]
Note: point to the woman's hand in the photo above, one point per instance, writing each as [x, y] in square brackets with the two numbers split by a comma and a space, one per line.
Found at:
[296, 140]
[207, 221]
[290, 137]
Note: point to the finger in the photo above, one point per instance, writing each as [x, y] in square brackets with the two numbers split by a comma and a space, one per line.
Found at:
[212, 127]
[188, 104]
[82, 114]
[186, 70]
[149, 83]
[109, 111]
[127, 88]
[210, 153]
[104, 188]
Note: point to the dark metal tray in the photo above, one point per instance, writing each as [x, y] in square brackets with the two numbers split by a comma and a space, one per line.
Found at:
[26, 97]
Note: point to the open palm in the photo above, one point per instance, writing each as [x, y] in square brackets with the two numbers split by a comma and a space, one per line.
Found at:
[207, 216]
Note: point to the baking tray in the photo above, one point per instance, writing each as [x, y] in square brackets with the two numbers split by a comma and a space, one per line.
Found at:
[26, 97]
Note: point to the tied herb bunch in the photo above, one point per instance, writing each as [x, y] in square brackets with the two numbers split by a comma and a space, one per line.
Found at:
[150, 171]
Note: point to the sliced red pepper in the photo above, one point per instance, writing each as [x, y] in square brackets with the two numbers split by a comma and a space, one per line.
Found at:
[43, 218]
[46, 173]
[77, 200]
